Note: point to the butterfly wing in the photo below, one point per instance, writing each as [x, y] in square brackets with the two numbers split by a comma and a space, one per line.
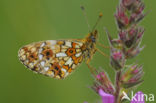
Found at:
[54, 58]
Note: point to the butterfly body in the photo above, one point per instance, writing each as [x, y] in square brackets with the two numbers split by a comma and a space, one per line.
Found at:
[58, 58]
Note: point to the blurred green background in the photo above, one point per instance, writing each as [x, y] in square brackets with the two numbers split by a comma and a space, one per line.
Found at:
[26, 21]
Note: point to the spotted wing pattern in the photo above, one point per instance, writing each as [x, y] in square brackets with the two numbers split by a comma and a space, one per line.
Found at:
[54, 58]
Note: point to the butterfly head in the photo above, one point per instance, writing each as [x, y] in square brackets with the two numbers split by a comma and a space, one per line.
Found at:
[93, 36]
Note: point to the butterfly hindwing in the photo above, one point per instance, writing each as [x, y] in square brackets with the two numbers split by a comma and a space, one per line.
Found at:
[54, 58]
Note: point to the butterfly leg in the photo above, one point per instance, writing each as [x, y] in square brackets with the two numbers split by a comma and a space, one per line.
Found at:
[103, 46]
[102, 53]
[91, 68]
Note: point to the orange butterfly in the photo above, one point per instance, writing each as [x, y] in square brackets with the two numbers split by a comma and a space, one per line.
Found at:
[58, 58]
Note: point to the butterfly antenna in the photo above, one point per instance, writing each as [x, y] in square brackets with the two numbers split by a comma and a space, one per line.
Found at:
[85, 15]
[99, 18]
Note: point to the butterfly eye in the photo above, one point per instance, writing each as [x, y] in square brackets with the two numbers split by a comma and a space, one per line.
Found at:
[93, 39]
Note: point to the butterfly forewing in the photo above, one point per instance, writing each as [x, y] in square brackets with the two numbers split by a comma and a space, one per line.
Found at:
[54, 58]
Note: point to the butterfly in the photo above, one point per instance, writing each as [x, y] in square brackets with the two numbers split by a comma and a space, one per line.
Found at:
[58, 58]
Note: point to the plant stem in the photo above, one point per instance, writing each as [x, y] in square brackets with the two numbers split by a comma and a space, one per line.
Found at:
[117, 82]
